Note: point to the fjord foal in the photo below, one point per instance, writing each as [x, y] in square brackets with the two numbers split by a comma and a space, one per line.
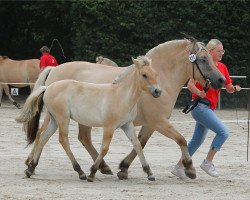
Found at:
[13, 71]
[174, 63]
[105, 61]
[110, 106]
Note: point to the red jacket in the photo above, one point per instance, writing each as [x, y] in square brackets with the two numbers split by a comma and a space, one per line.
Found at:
[212, 95]
[47, 60]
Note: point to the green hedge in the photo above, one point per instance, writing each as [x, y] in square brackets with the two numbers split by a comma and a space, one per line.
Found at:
[122, 29]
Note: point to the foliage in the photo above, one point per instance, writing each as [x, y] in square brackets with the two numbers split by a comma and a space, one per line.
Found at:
[120, 30]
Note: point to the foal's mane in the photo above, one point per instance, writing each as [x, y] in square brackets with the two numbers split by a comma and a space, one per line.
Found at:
[143, 61]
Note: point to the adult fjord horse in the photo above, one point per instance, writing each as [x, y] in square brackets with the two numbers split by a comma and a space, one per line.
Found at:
[94, 105]
[17, 71]
[174, 68]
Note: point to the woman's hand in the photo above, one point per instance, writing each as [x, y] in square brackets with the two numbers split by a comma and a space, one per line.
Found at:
[202, 94]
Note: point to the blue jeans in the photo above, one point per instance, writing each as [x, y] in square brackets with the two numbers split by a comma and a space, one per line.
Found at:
[207, 119]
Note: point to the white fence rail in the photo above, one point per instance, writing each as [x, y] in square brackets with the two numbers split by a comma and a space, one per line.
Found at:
[219, 100]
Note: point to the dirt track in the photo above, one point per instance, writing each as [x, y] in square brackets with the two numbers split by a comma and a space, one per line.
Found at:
[55, 178]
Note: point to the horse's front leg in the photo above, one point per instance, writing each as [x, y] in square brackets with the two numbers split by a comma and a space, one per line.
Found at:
[84, 137]
[107, 137]
[166, 129]
[143, 136]
[130, 132]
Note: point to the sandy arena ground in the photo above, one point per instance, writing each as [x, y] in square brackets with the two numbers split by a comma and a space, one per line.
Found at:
[55, 178]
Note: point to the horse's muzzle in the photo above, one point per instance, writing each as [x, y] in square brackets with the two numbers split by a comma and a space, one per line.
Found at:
[156, 92]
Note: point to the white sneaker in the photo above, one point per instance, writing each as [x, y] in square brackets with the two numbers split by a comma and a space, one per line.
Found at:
[209, 168]
[179, 172]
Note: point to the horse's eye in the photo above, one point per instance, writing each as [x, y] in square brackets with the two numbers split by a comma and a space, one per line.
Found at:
[144, 76]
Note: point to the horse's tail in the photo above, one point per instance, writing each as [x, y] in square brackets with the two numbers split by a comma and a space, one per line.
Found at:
[31, 112]
[42, 77]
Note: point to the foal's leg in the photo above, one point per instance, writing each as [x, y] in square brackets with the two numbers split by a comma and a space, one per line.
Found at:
[106, 139]
[50, 130]
[39, 132]
[63, 124]
[130, 132]
[166, 129]
[85, 138]
[143, 136]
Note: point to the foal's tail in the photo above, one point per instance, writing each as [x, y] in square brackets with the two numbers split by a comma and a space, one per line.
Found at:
[31, 112]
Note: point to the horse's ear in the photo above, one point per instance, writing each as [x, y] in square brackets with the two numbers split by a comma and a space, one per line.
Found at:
[135, 61]
[189, 37]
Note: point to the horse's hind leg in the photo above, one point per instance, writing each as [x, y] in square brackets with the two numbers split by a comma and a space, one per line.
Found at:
[143, 137]
[130, 132]
[85, 138]
[43, 127]
[64, 140]
[50, 130]
[6, 90]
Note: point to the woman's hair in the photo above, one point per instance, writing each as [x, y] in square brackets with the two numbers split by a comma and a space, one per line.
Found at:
[212, 44]
[44, 49]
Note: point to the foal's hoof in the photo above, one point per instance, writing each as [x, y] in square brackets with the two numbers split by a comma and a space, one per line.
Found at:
[83, 177]
[151, 178]
[191, 173]
[106, 170]
[122, 175]
[28, 173]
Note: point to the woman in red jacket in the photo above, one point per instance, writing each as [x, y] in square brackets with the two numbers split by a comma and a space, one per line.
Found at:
[205, 117]
[47, 59]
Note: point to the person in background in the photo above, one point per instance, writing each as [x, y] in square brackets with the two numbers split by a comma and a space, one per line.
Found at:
[47, 59]
[205, 117]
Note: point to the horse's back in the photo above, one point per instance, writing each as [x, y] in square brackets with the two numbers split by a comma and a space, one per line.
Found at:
[84, 71]
[19, 71]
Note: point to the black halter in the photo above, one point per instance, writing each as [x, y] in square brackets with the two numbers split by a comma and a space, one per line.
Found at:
[192, 57]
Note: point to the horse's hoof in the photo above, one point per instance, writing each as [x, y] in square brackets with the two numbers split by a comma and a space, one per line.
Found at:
[28, 173]
[151, 178]
[90, 179]
[17, 105]
[106, 170]
[83, 177]
[191, 173]
[122, 175]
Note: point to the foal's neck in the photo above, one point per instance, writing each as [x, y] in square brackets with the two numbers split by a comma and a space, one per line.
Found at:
[129, 88]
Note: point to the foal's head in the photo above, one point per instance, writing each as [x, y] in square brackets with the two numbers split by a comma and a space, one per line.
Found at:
[147, 75]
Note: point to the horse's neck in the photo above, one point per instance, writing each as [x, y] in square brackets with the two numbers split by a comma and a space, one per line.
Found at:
[129, 88]
[171, 63]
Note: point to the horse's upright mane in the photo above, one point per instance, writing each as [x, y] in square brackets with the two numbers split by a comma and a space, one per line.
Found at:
[122, 75]
[166, 45]
[143, 61]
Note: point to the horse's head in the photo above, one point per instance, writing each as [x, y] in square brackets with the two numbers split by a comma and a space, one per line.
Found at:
[99, 59]
[204, 69]
[148, 76]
